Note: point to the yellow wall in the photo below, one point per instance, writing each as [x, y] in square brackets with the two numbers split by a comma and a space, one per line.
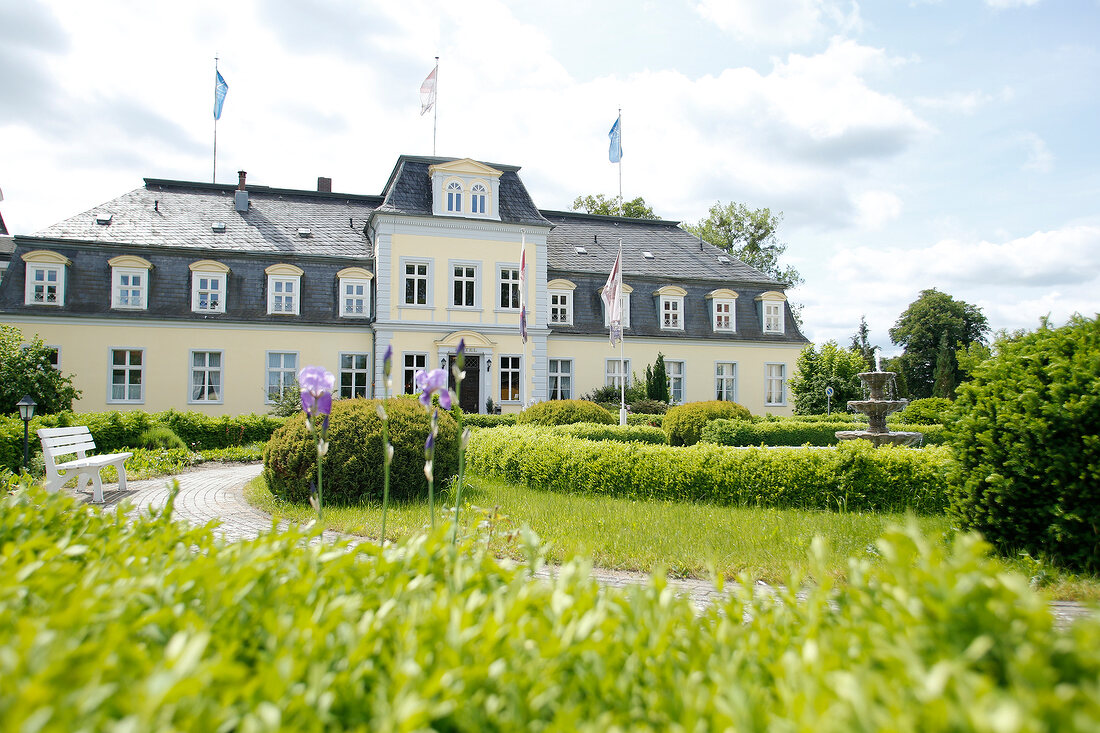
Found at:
[589, 356]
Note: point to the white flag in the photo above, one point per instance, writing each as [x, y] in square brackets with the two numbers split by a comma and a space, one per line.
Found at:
[427, 92]
[612, 296]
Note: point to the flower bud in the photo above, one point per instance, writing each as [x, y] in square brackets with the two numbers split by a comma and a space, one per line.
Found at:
[322, 448]
[381, 412]
[465, 438]
[389, 453]
[428, 470]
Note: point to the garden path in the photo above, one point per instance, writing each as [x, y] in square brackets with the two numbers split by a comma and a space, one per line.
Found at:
[216, 493]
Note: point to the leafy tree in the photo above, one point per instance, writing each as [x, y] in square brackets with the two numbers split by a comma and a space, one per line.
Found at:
[614, 206]
[658, 390]
[25, 369]
[861, 343]
[921, 330]
[831, 367]
[943, 384]
[971, 356]
[750, 236]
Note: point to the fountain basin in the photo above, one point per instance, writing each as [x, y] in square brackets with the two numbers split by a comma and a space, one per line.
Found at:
[877, 439]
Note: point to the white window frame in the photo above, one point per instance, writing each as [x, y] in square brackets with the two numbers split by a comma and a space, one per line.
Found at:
[279, 289]
[207, 371]
[349, 300]
[282, 370]
[197, 291]
[408, 371]
[770, 380]
[452, 192]
[613, 377]
[725, 381]
[479, 194]
[473, 280]
[559, 369]
[118, 274]
[405, 263]
[58, 285]
[512, 283]
[674, 378]
[127, 368]
[773, 316]
[561, 312]
[672, 312]
[510, 364]
[723, 315]
[351, 369]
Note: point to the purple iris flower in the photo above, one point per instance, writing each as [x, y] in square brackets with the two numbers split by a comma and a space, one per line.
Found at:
[387, 361]
[433, 382]
[316, 383]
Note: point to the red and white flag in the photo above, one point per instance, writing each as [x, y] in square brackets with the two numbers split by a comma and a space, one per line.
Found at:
[612, 297]
[427, 92]
[523, 287]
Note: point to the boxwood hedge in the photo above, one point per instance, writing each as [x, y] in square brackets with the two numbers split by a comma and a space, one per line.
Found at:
[684, 423]
[791, 432]
[616, 433]
[115, 624]
[564, 412]
[853, 476]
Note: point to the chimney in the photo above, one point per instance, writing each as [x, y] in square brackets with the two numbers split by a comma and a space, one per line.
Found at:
[324, 185]
[240, 196]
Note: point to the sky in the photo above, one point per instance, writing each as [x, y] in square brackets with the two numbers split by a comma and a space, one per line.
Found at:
[908, 145]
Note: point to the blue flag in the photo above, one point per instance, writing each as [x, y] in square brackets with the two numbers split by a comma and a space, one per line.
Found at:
[616, 151]
[220, 88]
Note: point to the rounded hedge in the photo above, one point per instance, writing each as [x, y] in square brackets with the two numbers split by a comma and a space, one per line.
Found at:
[1027, 438]
[926, 411]
[353, 465]
[684, 423]
[565, 412]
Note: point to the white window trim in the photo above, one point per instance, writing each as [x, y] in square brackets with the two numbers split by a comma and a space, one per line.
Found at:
[211, 270]
[110, 374]
[367, 371]
[678, 301]
[451, 265]
[454, 187]
[296, 281]
[627, 290]
[500, 371]
[683, 381]
[608, 377]
[116, 287]
[46, 267]
[552, 375]
[718, 377]
[783, 385]
[500, 281]
[772, 298]
[191, 376]
[429, 291]
[267, 370]
[568, 295]
[718, 302]
[484, 194]
[354, 282]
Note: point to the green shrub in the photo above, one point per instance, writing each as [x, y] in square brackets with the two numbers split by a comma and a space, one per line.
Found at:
[353, 465]
[615, 433]
[793, 432]
[474, 420]
[160, 436]
[644, 419]
[1027, 436]
[853, 476]
[564, 412]
[836, 416]
[146, 624]
[684, 424]
[926, 411]
[649, 407]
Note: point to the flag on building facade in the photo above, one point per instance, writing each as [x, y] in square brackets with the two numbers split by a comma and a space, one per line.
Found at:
[612, 297]
[523, 288]
[220, 89]
[427, 92]
[615, 153]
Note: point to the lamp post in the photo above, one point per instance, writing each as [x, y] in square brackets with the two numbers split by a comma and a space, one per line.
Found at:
[26, 412]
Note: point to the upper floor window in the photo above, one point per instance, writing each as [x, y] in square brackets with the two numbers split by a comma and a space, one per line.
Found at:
[627, 290]
[45, 278]
[354, 283]
[772, 311]
[478, 196]
[464, 285]
[454, 197]
[723, 309]
[283, 289]
[671, 307]
[129, 282]
[561, 302]
[208, 285]
[509, 288]
[416, 283]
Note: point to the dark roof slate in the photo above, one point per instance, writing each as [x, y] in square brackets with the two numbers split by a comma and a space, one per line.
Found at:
[677, 254]
[178, 214]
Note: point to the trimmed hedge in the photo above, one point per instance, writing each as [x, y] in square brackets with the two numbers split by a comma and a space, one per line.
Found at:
[615, 433]
[643, 419]
[926, 411]
[790, 432]
[145, 624]
[564, 412]
[353, 469]
[684, 423]
[474, 420]
[836, 416]
[117, 431]
[853, 476]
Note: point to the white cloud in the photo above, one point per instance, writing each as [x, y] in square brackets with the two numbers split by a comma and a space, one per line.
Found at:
[1003, 4]
[781, 22]
[1039, 158]
[876, 208]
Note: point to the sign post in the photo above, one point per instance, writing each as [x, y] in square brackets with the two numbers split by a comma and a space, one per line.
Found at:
[829, 400]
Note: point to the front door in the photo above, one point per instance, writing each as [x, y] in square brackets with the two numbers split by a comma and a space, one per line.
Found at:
[470, 398]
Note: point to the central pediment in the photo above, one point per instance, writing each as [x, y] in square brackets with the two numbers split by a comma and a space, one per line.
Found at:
[465, 167]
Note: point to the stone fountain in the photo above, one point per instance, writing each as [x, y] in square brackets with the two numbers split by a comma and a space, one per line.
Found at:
[876, 408]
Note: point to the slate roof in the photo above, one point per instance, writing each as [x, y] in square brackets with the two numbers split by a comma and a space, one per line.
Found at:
[409, 191]
[176, 214]
[677, 254]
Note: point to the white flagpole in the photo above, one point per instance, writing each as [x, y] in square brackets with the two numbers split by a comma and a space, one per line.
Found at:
[622, 342]
[523, 275]
[435, 106]
[620, 162]
[214, 177]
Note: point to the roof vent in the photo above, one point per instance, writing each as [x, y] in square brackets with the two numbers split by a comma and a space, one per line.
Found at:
[581, 250]
[218, 226]
[723, 259]
[103, 219]
[647, 254]
[305, 232]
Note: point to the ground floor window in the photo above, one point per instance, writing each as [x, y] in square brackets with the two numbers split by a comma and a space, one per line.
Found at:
[206, 376]
[127, 375]
[354, 375]
[615, 371]
[675, 372]
[413, 364]
[725, 381]
[561, 379]
[775, 384]
[509, 379]
[282, 373]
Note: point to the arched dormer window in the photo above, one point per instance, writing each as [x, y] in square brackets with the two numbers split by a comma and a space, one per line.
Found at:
[454, 197]
[45, 284]
[478, 196]
[130, 282]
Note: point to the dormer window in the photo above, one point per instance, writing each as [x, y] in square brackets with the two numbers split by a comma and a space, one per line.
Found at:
[45, 279]
[283, 289]
[723, 310]
[771, 311]
[478, 195]
[561, 302]
[354, 284]
[670, 307]
[208, 285]
[454, 197]
[625, 296]
[129, 282]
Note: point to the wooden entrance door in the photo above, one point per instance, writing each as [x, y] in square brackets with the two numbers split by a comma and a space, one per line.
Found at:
[470, 399]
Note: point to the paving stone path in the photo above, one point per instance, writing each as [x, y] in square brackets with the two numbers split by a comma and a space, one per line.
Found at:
[216, 493]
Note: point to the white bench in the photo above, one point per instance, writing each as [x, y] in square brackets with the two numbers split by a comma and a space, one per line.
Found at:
[78, 440]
